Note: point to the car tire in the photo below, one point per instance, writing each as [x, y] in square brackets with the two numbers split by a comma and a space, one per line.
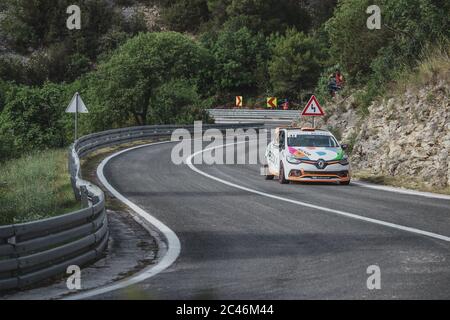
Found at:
[281, 177]
[345, 183]
[269, 177]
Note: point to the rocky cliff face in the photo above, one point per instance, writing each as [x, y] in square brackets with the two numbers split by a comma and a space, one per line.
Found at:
[408, 136]
[405, 136]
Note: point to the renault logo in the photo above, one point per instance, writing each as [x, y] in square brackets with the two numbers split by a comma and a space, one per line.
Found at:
[321, 164]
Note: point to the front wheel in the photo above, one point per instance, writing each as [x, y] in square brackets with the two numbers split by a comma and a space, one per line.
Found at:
[345, 183]
[281, 177]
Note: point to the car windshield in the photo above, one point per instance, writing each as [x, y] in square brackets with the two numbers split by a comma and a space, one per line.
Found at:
[320, 141]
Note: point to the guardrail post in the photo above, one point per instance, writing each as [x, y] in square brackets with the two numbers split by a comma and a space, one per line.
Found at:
[95, 199]
[13, 242]
[84, 196]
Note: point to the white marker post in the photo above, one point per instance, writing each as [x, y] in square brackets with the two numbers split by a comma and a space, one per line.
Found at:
[76, 106]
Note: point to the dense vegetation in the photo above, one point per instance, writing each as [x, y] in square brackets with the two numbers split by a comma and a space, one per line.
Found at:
[129, 72]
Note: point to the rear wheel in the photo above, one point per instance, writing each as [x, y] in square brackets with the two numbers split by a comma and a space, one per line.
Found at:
[281, 177]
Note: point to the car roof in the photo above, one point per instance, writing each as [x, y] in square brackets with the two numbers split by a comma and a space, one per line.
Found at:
[306, 130]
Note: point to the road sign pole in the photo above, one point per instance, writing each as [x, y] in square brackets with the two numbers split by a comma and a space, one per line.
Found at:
[76, 106]
[76, 117]
[313, 109]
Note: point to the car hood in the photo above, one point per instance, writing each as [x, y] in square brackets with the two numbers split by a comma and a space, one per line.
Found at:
[316, 153]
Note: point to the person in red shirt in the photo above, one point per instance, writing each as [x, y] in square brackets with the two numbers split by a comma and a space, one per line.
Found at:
[339, 79]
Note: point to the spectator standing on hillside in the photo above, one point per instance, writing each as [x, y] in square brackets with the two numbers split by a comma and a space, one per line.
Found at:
[339, 79]
[332, 86]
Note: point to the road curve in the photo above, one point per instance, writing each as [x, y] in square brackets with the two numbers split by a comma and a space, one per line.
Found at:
[240, 245]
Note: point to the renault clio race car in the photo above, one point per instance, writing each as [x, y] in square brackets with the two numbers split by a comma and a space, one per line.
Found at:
[306, 155]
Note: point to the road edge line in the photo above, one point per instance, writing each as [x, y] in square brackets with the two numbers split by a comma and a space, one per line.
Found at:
[406, 191]
[172, 242]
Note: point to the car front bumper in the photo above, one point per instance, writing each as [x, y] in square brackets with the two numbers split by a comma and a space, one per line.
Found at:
[310, 173]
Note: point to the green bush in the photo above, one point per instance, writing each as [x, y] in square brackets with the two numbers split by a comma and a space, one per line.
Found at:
[376, 57]
[296, 63]
[33, 118]
[407, 26]
[176, 102]
[12, 69]
[4, 88]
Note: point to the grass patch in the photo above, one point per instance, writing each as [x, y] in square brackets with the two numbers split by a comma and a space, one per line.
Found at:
[433, 66]
[35, 186]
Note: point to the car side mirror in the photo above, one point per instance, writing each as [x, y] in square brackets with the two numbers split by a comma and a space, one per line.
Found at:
[344, 146]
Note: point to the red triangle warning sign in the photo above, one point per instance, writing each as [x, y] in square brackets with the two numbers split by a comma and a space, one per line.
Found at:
[313, 108]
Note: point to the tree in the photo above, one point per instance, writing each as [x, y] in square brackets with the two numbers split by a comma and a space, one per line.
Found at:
[185, 15]
[295, 64]
[125, 84]
[353, 45]
[407, 26]
[239, 59]
[320, 11]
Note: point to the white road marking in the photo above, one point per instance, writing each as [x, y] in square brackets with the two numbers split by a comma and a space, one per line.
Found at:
[402, 191]
[308, 205]
[173, 243]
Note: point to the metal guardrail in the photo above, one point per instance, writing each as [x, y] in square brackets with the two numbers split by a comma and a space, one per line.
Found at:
[248, 115]
[35, 251]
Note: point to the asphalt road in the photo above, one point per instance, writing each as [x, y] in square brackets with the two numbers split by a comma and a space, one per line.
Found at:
[239, 245]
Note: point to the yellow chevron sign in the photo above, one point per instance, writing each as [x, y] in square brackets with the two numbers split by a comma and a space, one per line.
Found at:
[272, 102]
[239, 101]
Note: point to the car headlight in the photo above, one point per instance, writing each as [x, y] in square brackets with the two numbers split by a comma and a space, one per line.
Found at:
[344, 161]
[293, 159]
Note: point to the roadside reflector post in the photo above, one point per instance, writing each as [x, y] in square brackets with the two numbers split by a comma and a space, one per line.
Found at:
[76, 106]
[76, 116]
[313, 109]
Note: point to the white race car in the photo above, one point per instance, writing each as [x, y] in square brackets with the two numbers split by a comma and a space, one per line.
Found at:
[309, 155]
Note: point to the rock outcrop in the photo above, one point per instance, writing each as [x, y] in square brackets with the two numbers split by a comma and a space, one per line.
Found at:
[409, 136]
[406, 135]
